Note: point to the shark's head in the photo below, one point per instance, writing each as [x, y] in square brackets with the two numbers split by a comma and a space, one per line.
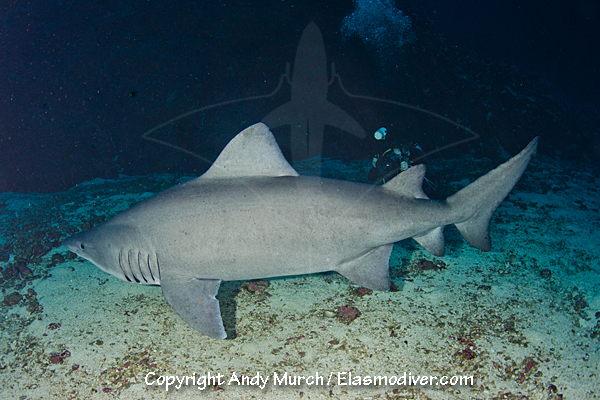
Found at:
[97, 247]
[110, 248]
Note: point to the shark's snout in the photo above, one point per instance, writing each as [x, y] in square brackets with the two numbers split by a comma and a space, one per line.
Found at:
[70, 243]
[75, 245]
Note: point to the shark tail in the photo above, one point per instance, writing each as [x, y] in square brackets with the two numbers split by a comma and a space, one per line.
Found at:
[477, 202]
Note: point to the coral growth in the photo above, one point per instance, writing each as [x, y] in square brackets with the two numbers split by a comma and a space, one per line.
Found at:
[348, 313]
[257, 286]
[426, 265]
[361, 291]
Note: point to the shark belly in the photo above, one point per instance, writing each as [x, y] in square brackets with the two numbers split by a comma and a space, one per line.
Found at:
[281, 226]
[263, 228]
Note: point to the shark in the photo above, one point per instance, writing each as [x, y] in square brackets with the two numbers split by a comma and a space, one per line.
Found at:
[252, 216]
[309, 111]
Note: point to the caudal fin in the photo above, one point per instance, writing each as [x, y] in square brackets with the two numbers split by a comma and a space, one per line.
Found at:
[478, 201]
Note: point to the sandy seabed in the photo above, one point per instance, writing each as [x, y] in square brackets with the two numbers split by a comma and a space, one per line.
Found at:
[523, 320]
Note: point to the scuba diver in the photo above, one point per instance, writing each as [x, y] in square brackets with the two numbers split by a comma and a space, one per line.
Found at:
[396, 159]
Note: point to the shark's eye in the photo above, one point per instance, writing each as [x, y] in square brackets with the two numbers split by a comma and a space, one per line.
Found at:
[81, 246]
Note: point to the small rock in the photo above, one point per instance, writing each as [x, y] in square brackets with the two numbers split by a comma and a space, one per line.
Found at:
[348, 313]
[10, 273]
[24, 270]
[546, 273]
[12, 299]
[580, 305]
[57, 258]
[362, 291]
[257, 286]
[54, 325]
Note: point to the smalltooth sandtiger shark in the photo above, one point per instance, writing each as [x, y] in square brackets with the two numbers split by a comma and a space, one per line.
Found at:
[251, 216]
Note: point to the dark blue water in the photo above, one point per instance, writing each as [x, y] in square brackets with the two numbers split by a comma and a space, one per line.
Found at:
[81, 82]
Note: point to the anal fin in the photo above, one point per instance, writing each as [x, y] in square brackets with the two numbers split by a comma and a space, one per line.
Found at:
[371, 270]
[433, 241]
[194, 300]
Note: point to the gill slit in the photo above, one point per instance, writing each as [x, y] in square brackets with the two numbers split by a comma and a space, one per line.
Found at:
[140, 267]
[121, 265]
[150, 268]
[130, 268]
[158, 267]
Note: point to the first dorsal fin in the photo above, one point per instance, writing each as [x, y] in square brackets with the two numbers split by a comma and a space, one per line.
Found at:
[253, 152]
[409, 183]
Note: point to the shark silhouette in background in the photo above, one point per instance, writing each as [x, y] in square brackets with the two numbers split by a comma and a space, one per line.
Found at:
[309, 112]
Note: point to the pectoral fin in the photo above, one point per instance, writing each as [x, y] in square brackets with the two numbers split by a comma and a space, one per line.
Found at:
[194, 300]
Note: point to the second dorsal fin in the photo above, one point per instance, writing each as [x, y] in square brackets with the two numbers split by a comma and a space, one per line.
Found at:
[409, 183]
